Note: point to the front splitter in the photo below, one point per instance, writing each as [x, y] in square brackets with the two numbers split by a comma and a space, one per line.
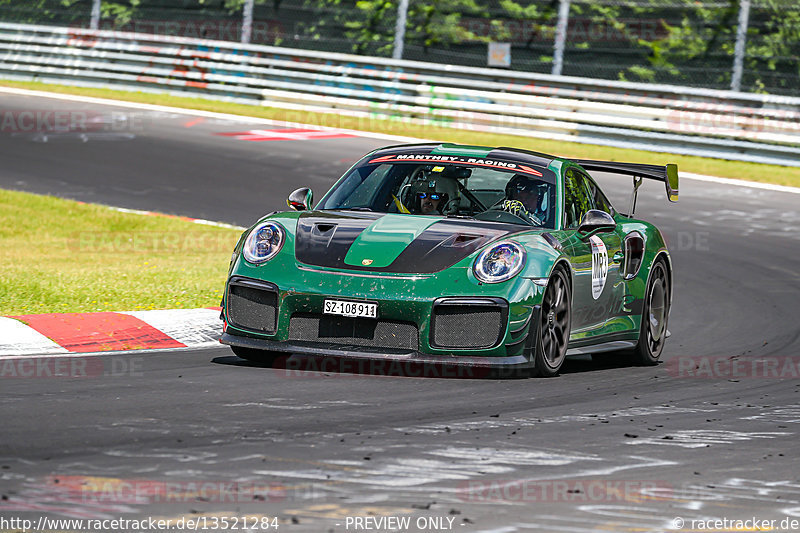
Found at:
[369, 353]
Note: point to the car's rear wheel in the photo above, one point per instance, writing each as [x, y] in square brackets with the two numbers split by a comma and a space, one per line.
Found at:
[555, 321]
[254, 355]
[655, 314]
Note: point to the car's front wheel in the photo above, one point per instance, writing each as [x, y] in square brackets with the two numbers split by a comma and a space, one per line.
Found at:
[555, 321]
[655, 314]
[253, 355]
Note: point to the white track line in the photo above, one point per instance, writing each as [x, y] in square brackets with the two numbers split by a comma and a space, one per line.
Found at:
[187, 219]
[357, 133]
[67, 355]
[206, 114]
[741, 183]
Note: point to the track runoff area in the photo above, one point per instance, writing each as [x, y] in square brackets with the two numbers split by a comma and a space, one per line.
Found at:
[198, 434]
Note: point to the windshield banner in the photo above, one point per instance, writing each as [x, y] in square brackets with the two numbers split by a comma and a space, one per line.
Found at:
[474, 161]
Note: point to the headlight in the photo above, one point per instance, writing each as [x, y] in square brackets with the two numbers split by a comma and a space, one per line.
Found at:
[264, 242]
[501, 262]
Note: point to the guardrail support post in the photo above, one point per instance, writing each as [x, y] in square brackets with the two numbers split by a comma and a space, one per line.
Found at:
[741, 44]
[400, 30]
[94, 23]
[247, 21]
[561, 37]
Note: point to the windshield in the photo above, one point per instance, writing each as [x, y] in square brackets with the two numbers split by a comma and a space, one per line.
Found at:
[510, 195]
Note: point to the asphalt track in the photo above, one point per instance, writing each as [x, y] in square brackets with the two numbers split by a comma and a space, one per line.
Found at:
[141, 433]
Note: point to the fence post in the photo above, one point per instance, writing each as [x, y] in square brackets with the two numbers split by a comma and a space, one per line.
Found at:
[400, 30]
[741, 45]
[561, 37]
[94, 23]
[247, 21]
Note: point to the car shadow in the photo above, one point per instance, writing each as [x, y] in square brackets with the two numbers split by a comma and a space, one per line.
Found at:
[305, 366]
[593, 363]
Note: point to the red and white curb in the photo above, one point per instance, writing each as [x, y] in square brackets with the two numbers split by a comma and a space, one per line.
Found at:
[65, 333]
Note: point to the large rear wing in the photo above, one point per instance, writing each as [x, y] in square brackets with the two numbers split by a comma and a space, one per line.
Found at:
[667, 174]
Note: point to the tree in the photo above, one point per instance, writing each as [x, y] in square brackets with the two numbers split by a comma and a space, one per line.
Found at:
[370, 24]
[62, 12]
[700, 37]
[437, 23]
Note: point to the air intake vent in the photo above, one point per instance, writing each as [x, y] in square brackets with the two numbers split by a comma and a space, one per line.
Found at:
[459, 323]
[463, 240]
[252, 306]
[322, 229]
[353, 331]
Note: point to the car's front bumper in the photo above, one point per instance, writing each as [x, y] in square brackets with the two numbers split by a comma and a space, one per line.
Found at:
[393, 355]
[471, 323]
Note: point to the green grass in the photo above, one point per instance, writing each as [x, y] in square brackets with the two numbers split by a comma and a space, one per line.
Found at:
[700, 165]
[65, 256]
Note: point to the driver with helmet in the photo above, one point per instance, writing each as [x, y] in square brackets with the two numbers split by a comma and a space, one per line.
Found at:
[434, 191]
[525, 198]
[428, 201]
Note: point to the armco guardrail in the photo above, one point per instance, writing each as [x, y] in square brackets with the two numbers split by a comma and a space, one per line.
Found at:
[736, 126]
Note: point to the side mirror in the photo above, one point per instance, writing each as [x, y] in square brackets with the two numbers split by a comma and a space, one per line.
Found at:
[300, 200]
[596, 221]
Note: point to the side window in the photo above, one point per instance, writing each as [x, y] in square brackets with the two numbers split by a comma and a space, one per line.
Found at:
[598, 198]
[576, 198]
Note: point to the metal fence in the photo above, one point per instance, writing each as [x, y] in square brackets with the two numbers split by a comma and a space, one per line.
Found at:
[737, 126]
[748, 45]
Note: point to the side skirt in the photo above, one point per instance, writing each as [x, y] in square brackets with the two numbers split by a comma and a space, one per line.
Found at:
[610, 346]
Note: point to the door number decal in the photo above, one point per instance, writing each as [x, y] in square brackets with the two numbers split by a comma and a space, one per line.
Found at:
[599, 266]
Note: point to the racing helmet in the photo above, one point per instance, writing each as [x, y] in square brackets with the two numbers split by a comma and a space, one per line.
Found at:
[520, 183]
[439, 181]
[425, 188]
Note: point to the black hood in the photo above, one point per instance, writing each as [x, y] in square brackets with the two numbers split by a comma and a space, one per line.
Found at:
[324, 238]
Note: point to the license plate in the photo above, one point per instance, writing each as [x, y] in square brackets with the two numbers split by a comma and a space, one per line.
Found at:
[351, 309]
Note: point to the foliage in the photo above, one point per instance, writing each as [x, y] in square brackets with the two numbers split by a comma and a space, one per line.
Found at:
[700, 37]
[119, 13]
[370, 24]
[685, 42]
[538, 19]
[64, 12]
[437, 22]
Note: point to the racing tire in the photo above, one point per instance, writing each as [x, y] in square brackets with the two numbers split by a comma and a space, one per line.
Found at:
[254, 355]
[554, 326]
[655, 315]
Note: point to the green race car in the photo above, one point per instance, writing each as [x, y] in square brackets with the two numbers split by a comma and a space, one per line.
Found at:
[451, 254]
